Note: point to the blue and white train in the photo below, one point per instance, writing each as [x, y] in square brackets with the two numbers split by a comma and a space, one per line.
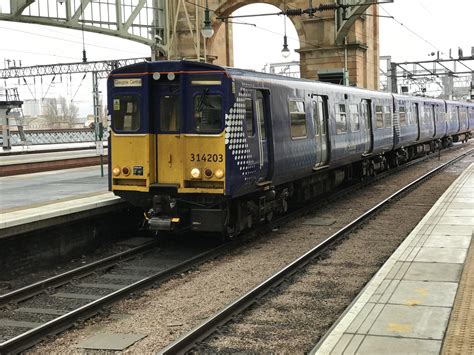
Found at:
[206, 148]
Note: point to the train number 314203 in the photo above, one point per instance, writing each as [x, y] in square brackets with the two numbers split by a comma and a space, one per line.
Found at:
[216, 158]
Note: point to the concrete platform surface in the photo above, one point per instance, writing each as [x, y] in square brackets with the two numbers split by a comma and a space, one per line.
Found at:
[406, 307]
[32, 190]
[15, 150]
[43, 157]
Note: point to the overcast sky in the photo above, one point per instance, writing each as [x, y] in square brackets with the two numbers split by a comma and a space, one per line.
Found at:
[428, 26]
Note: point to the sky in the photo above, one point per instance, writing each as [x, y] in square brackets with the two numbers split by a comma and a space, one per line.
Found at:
[419, 28]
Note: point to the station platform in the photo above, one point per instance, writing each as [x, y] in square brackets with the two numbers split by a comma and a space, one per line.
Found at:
[46, 148]
[422, 300]
[33, 201]
[39, 156]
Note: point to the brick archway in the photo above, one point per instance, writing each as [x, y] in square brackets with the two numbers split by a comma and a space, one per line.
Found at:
[322, 48]
[329, 43]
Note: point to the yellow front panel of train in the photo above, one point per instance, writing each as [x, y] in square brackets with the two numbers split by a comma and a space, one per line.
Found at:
[133, 162]
[195, 163]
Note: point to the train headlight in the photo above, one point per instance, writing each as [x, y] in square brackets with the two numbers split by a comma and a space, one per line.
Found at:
[195, 173]
[116, 171]
[219, 174]
[126, 171]
[208, 173]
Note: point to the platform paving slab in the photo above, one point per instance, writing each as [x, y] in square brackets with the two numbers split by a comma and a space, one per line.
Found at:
[376, 345]
[406, 306]
[110, 341]
[433, 271]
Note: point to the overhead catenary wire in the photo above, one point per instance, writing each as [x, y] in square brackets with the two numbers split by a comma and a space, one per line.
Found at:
[80, 84]
[411, 31]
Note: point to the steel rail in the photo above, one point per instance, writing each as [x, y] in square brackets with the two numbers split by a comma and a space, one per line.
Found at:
[66, 277]
[208, 327]
[55, 326]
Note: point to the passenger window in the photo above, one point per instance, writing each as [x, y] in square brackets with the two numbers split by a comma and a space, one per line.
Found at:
[402, 116]
[249, 120]
[126, 114]
[355, 118]
[428, 115]
[379, 116]
[387, 116]
[207, 112]
[341, 118]
[316, 118]
[260, 110]
[169, 113]
[298, 119]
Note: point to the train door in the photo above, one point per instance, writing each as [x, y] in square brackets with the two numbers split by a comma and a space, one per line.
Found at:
[368, 136]
[166, 111]
[320, 119]
[262, 115]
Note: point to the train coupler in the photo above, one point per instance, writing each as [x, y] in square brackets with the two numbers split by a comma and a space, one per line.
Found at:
[163, 223]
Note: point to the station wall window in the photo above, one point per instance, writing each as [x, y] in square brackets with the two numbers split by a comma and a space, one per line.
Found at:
[126, 113]
[402, 116]
[249, 117]
[341, 118]
[379, 116]
[355, 118]
[207, 113]
[298, 118]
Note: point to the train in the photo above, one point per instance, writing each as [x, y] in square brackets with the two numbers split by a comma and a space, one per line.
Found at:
[205, 148]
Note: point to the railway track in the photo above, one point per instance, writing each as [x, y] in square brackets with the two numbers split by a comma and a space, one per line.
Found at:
[90, 293]
[55, 304]
[193, 340]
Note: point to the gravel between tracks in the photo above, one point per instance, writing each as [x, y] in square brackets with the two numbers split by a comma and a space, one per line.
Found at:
[297, 316]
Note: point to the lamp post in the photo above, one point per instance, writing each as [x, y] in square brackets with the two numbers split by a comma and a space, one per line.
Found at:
[285, 52]
[207, 31]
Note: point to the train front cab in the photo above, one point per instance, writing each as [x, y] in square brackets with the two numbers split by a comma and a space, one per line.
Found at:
[167, 147]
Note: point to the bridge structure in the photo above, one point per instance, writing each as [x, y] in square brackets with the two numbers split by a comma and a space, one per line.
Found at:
[337, 38]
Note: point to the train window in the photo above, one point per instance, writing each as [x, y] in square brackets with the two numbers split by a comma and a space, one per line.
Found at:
[126, 113]
[428, 115]
[260, 111]
[169, 113]
[387, 116]
[379, 116]
[341, 118]
[207, 112]
[402, 116]
[249, 120]
[316, 118]
[355, 118]
[453, 114]
[298, 119]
